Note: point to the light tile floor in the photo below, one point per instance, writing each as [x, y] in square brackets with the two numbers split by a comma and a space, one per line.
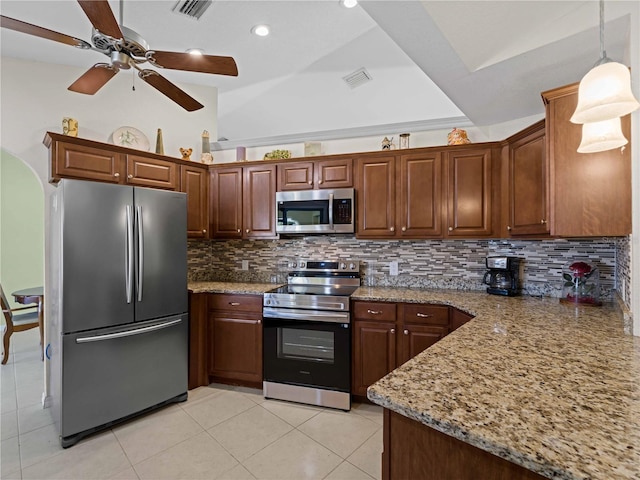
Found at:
[220, 432]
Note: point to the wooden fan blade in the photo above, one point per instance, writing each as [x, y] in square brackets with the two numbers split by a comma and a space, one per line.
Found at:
[164, 86]
[101, 17]
[24, 27]
[93, 79]
[194, 63]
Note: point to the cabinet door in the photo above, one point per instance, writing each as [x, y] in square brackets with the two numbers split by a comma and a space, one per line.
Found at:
[374, 353]
[198, 362]
[226, 203]
[469, 193]
[415, 338]
[336, 173]
[295, 176]
[528, 209]
[376, 184]
[151, 172]
[236, 346]
[590, 193]
[259, 202]
[419, 213]
[194, 181]
[84, 162]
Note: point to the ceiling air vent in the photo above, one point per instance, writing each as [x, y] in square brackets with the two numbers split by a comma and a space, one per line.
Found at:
[192, 8]
[357, 78]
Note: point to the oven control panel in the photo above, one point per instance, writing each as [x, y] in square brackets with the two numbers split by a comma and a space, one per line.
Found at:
[324, 266]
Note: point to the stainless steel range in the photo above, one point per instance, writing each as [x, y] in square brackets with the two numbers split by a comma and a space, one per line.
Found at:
[307, 334]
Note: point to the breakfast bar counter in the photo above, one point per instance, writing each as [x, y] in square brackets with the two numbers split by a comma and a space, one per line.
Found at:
[549, 386]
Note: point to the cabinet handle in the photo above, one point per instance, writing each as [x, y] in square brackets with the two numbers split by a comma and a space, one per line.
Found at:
[310, 182]
[451, 229]
[508, 228]
[130, 176]
[543, 221]
[234, 304]
[393, 330]
[247, 230]
[374, 312]
[404, 229]
[320, 182]
[259, 322]
[406, 332]
[392, 229]
[423, 315]
[239, 230]
[204, 231]
[116, 174]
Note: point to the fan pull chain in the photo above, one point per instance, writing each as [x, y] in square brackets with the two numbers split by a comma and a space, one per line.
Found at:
[133, 81]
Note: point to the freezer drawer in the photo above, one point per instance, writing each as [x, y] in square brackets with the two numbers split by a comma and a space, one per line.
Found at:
[112, 373]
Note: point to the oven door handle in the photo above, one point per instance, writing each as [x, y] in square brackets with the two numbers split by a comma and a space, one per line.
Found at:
[332, 317]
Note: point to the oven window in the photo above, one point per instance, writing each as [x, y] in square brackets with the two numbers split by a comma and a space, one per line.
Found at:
[311, 345]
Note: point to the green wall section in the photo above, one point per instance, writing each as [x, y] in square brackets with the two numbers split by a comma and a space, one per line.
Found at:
[21, 226]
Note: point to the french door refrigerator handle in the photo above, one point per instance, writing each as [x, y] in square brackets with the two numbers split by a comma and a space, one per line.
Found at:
[128, 274]
[128, 333]
[331, 211]
[140, 251]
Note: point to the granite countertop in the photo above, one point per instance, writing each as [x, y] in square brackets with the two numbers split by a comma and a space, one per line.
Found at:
[546, 385]
[230, 287]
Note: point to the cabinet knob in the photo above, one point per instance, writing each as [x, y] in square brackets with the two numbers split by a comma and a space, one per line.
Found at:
[247, 230]
[406, 332]
[451, 229]
[392, 229]
[116, 174]
[422, 315]
[259, 322]
[543, 221]
[404, 229]
[508, 228]
[310, 182]
[393, 330]
[204, 231]
[130, 176]
[239, 230]
[320, 182]
[374, 312]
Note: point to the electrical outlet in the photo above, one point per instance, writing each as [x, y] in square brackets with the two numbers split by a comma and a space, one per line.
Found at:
[393, 268]
[245, 264]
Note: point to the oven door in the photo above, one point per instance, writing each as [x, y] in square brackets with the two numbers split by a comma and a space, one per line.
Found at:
[303, 350]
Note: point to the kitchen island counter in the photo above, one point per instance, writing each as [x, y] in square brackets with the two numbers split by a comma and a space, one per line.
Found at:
[548, 386]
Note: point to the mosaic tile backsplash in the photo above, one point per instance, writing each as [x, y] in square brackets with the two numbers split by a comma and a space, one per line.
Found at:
[451, 264]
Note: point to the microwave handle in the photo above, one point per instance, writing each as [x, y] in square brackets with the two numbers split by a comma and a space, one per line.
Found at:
[331, 211]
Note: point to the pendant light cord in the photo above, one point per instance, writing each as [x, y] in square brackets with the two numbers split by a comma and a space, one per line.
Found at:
[603, 53]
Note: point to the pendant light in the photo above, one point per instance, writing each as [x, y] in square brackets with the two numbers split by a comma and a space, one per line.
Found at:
[605, 91]
[601, 136]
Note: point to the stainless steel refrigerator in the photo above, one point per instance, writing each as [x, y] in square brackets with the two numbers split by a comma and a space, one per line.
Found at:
[118, 321]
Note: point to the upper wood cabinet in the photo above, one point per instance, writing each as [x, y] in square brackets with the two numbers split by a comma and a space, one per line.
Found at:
[469, 195]
[151, 172]
[329, 173]
[527, 178]
[82, 160]
[590, 193]
[226, 202]
[194, 181]
[376, 197]
[259, 202]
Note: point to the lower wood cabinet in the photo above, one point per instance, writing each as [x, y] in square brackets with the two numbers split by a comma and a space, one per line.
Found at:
[386, 335]
[235, 338]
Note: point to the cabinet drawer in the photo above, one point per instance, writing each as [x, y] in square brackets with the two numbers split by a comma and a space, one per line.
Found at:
[375, 311]
[235, 302]
[425, 314]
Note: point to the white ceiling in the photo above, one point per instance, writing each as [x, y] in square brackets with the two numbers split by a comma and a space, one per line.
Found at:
[431, 62]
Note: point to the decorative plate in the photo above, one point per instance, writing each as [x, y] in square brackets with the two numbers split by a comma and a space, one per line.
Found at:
[130, 137]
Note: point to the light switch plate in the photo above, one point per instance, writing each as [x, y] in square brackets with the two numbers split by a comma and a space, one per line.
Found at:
[393, 268]
[245, 264]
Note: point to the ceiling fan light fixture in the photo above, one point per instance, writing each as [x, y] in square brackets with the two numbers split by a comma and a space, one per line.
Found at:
[601, 136]
[120, 60]
[605, 91]
[261, 30]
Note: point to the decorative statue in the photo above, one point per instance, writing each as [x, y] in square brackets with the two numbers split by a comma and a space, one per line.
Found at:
[186, 153]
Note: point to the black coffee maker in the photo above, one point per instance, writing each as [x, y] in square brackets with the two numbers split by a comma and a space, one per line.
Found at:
[503, 276]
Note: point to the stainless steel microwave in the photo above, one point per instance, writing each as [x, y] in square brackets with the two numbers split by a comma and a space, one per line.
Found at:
[315, 211]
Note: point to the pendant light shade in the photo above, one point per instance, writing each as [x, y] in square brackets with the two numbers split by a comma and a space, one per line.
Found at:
[601, 136]
[605, 93]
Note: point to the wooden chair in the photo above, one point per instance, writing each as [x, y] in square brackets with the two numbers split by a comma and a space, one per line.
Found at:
[16, 323]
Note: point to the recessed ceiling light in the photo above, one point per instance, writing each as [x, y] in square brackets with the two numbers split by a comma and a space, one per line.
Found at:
[260, 30]
[348, 3]
[194, 51]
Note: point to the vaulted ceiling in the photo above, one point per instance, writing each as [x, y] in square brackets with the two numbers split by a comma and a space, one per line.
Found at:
[429, 62]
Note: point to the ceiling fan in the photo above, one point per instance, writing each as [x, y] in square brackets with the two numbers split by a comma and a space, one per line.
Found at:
[126, 49]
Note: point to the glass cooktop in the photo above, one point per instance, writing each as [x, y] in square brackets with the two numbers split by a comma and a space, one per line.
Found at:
[338, 290]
